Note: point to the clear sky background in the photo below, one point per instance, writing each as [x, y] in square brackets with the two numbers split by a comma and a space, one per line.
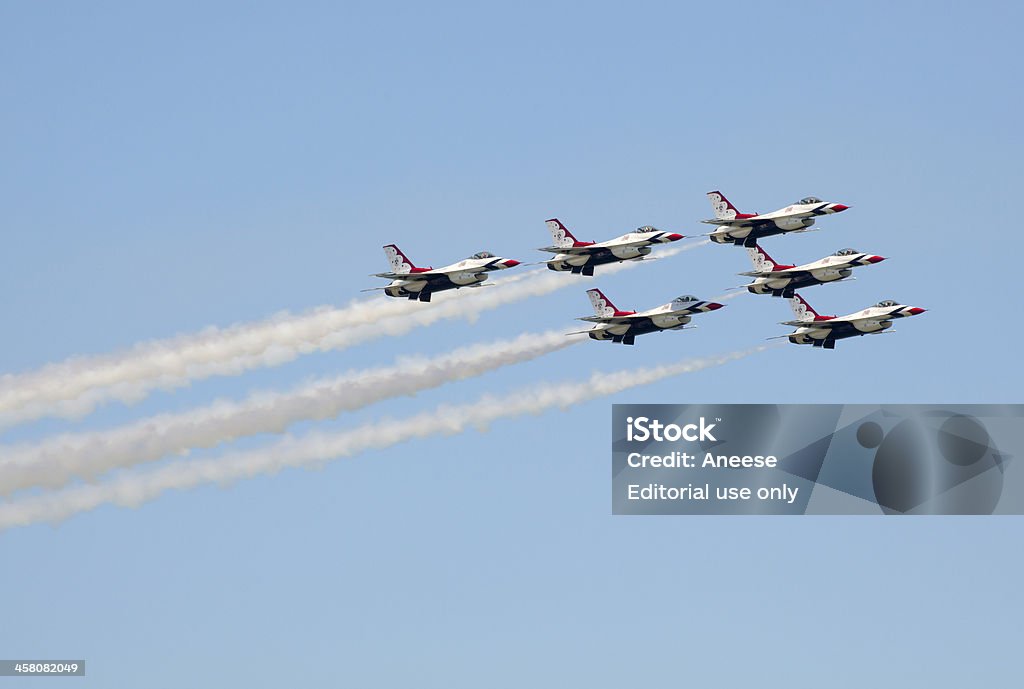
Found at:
[165, 168]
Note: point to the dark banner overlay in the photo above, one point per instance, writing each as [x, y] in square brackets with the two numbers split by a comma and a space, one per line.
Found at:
[817, 459]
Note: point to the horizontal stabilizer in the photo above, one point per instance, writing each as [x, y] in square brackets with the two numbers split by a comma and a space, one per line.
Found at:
[819, 325]
[608, 320]
[570, 249]
[586, 332]
[405, 276]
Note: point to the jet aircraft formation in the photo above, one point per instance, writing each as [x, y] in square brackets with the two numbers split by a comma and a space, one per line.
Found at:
[769, 277]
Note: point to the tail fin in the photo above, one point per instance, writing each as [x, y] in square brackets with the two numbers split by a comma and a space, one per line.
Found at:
[801, 309]
[399, 262]
[763, 263]
[724, 210]
[602, 306]
[560, 233]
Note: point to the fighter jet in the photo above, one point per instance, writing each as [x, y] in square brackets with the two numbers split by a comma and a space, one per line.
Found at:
[420, 283]
[581, 257]
[823, 331]
[781, 280]
[624, 326]
[746, 228]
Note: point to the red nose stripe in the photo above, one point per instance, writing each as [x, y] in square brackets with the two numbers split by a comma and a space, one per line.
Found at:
[917, 311]
[674, 237]
[714, 306]
[510, 263]
[876, 259]
[838, 208]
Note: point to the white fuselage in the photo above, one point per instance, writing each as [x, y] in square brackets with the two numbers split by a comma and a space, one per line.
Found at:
[624, 326]
[619, 250]
[799, 216]
[469, 271]
[632, 245]
[664, 317]
[873, 319]
[828, 269]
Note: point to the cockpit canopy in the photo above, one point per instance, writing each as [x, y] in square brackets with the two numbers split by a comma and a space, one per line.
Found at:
[483, 254]
[808, 200]
[887, 303]
[647, 229]
[846, 252]
[686, 298]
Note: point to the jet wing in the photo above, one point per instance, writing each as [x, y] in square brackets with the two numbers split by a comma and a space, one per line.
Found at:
[589, 330]
[426, 275]
[431, 277]
[576, 250]
[738, 222]
[602, 247]
[788, 273]
[831, 324]
[613, 320]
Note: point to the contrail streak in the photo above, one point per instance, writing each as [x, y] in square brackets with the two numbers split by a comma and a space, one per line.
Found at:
[57, 461]
[316, 448]
[726, 296]
[76, 386]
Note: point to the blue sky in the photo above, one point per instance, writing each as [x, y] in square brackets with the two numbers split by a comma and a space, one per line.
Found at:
[168, 168]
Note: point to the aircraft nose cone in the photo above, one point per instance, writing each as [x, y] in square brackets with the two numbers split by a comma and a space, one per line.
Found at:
[916, 311]
[838, 208]
[876, 259]
[674, 237]
[510, 263]
[714, 306]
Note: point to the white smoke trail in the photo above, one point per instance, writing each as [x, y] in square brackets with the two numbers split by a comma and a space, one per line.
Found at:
[76, 386]
[726, 296]
[58, 460]
[315, 449]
